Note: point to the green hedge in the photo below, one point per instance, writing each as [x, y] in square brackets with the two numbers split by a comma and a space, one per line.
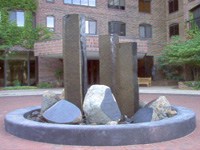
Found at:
[20, 87]
[194, 84]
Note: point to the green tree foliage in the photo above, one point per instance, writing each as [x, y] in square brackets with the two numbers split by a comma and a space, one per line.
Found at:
[11, 34]
[182, 53]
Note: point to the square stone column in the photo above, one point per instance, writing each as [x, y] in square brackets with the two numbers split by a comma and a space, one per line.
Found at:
[127, 81]
[108, 46]
[75, 59]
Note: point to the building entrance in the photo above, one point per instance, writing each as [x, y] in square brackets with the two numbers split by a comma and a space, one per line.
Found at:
[93, 72]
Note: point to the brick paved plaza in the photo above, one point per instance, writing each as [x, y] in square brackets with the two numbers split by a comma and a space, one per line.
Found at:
[9, 142]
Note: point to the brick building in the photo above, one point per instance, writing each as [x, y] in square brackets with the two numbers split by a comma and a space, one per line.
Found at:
[150, 23]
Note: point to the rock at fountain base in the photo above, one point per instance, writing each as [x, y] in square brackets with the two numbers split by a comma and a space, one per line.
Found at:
[63, 112]
[143, 115]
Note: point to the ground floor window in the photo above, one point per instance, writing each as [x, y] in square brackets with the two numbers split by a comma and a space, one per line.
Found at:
[173, 30]
[18, 68]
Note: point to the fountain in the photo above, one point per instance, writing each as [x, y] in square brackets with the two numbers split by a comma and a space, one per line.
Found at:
[118, 70]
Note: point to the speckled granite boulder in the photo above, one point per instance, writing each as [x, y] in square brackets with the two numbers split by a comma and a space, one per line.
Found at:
[62, 96]
[63, 112]
[49, 99]
[141, 104]
[161, 106]
[100, 106]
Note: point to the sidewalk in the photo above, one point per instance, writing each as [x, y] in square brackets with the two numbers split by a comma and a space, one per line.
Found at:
[152, 90]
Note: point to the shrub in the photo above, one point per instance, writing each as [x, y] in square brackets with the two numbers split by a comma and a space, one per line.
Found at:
[194, 84]
[20, 87]
[16, 83]
[44, 85]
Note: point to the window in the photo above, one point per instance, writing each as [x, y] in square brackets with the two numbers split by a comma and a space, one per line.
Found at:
[50, 1]
[117, 28]
[145, 31]
[196, 16]
[91, 3]
[116, 4]
[17, 16]
[91, 27]
[173, 6]
[50, 23]
[145, 6]
[173, 30]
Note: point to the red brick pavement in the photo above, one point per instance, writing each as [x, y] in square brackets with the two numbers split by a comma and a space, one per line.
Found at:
[10, 142]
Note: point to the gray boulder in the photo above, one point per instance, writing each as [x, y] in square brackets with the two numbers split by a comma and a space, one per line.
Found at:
[161, 106]
[49, 99]
[100, 106]
[63, 112]
[143, 115]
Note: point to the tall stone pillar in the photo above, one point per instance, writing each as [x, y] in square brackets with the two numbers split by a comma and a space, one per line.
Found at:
[127, 86]
[75, 59]
[108, 46]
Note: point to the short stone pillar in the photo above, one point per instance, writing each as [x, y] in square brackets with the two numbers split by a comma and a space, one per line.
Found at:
[108, 46]
[127, 81]
[75, 59]
[118, 70]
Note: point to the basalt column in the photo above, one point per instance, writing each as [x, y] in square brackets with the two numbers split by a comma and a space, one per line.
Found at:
[127, 82]
[75, 59]
[108, 46]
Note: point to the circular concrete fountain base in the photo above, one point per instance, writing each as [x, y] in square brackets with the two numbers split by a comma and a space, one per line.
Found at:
[101, 135]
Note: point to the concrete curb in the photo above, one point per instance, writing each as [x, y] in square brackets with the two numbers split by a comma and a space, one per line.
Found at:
[101, 135]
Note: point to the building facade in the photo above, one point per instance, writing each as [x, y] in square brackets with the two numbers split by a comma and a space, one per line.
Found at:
[150, 23]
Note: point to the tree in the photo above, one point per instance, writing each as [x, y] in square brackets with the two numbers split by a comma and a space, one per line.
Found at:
[183, 54]
[11, 34]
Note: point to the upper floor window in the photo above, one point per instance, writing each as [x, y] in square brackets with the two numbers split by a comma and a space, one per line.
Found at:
[145, 6]
[91, 27]
[50, 1]
[116, 27]
[17, 16]
[145, 31]
[173, 29]
[50, 23]
[116, 4]
[81, 2]
[196, 17]
[173, 6]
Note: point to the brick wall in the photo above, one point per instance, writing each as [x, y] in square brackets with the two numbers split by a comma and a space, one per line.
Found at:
[102, 14]
[53, 47]
[47, 68]
[159, 18]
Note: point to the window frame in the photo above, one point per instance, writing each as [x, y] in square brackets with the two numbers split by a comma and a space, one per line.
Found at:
[145, 9]
[80, 3]
[16, 17]
[145, 30]
[118, 23]
[173, 9]
[51, 28]
[173, 25]
[89, 27]
[118, 7]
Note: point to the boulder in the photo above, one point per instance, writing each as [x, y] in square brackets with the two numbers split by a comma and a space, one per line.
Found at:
[161, 107]
[112, 123]
[49, 99]
[143, 115]
[141, 104]
[100, 106]
[63, 112]
[62, 96]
